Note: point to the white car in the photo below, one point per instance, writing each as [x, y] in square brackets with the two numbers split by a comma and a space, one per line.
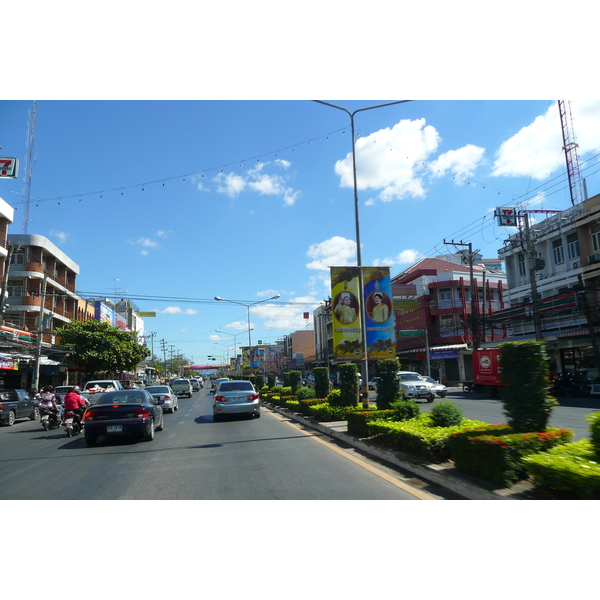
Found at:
[414, 386]
[439, 388]
[165, 396]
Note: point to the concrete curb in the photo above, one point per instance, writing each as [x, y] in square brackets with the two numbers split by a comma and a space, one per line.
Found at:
[445, 475]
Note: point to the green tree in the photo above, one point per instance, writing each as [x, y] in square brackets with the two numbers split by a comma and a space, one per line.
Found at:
[388, 389]
[321, 382]
[97, 347]
[349, 385]
[525, 375]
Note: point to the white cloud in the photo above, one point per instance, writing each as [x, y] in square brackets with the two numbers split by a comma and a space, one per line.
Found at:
[406, 257]
[175, 310]
[536, 150]
[460, 163]
[163, 234]
[288, 317]
[230, 184]
[334, 252]
[266, 293]
[258, 180]
[61, 235]
[391, 160]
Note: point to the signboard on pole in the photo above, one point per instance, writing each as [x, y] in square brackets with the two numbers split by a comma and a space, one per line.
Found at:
[507, 216]
[379, 313]
[9, 168]
[346, 303]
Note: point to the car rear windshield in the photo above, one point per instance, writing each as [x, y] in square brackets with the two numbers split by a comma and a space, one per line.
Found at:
[410, 377]
[158, 389]
[101, 384]
[119, 398]
[236, 386]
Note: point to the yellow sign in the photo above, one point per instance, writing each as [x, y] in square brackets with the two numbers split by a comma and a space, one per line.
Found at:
[405, 304]
[147, 314]
[346, 302]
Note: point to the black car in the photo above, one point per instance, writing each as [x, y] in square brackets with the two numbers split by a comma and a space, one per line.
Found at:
[123, 412]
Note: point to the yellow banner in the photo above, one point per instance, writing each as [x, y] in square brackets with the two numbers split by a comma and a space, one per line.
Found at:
[346, 299]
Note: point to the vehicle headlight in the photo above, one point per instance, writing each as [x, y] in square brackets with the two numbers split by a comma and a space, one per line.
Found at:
[411, 388]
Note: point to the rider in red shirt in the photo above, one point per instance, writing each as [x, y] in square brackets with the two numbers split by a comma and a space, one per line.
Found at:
[73, 401]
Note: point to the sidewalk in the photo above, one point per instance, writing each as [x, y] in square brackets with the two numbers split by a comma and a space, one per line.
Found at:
[444, 475]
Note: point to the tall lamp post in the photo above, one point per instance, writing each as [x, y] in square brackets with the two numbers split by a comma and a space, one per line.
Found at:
[234, 339]
[248, 305]
[365, 360]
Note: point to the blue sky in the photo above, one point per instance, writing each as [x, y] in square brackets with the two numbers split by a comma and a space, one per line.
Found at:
[187, 200]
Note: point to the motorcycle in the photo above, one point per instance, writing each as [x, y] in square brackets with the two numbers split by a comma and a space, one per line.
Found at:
[72, 423]
[49, 419]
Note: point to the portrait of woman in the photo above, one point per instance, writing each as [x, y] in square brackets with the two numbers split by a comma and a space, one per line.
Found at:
[344, 310]
[380, 311]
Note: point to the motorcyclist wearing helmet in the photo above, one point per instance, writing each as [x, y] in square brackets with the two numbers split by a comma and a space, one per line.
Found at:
[73, 401]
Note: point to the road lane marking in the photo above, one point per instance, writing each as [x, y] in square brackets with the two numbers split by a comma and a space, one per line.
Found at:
[360, 462]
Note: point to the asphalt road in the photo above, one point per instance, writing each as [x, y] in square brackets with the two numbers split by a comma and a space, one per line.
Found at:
[269, 458]
[570, 414]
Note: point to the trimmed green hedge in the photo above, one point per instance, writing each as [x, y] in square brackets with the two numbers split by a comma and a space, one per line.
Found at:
[418, 436]
[358, 420]
[567, 472]
[326, 412]
[305, 404]
[495, 454]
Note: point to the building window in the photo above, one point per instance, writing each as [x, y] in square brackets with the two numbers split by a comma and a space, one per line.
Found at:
[17, 258]
[447, 325]
[596, 237]
[445, 294]
[572, 246]
[558, 252]
[15, 289]
[521, 264]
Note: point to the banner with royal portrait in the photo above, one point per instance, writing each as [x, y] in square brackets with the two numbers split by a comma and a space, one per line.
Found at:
[345, 313]
[379, 312]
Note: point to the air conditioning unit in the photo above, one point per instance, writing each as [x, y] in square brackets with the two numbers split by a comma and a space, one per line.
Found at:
[575, 264]
[593, 258]
[537, 264]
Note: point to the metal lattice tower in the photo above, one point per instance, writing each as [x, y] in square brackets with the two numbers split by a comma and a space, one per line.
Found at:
[29, 171]
[570, 148]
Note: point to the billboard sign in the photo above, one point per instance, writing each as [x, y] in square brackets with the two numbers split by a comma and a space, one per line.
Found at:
[379, 312]
[346, 303]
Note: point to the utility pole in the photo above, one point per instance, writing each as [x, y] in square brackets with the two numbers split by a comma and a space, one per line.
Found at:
[40, 332]
[532, 267]
[474, 327]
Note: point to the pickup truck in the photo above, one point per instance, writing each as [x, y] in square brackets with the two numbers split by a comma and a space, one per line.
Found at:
[94, 389]
[182, 387]
[17, 404]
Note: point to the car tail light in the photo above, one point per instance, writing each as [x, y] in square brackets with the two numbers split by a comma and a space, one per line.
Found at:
[166, 398]
[89, 416]
[252, 397]
[220, 399]
[141, 413]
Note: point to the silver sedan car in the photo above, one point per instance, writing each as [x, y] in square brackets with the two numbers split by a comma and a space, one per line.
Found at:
[165, 396]
[236, 398]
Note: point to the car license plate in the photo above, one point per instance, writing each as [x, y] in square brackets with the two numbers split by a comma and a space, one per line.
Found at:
[114, 428]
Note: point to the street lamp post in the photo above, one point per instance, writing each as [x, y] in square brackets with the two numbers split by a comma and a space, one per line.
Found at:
[365, 360]
[234, 340]
[248, 305]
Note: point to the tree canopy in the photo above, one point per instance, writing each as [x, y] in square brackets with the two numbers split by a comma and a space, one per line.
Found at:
[97, 346]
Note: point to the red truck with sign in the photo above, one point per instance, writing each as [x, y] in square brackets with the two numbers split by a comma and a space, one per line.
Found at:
[486, 372]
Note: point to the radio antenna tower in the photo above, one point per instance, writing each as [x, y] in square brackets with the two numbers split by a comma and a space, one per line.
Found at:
[570, 148]
[29, 170]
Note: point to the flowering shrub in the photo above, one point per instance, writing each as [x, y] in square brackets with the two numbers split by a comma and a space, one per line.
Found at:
[567, 472]
[495, 454]
[305, 404]
[419, 436]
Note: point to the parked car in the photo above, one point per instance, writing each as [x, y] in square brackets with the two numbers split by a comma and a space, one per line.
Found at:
[182, 387]
[195, 384]
[236, 397]
[439, 388]
[123, 412]
[415, 387]
[17, 404]
[165, 396]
